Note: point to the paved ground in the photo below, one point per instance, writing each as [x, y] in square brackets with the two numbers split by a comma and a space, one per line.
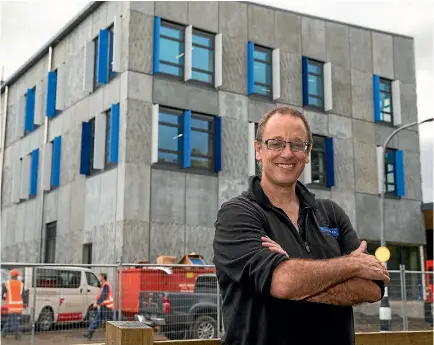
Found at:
[71, 337]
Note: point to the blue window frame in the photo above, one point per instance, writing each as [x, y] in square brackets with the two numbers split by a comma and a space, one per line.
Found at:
[313, 83]
[318, 160]
[394, 172]
[203, 57]
[29, 117]
[322, 161]
[262, 71]
[386, 110]
[171, 49]
[111, 44]
[188, 140]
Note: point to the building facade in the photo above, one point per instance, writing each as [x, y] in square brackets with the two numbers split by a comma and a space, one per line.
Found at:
[124, 134]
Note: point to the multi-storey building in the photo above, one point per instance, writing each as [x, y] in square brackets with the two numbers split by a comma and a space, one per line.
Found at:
[124, 134]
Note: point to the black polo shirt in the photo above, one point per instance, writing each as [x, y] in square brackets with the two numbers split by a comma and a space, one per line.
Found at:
[245, 268]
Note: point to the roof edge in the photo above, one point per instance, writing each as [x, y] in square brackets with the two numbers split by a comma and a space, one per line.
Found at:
[52, 42]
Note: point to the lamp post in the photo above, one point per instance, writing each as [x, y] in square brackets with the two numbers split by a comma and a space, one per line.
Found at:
[385, 311]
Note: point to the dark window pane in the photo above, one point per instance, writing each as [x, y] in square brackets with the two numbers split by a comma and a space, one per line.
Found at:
[387, 117]
[384, 86]
[201, 76]
[262, 73]
[262, 55]
[200, 123]
[262, 90]
[202, 40]
[199, 162]
[314, 68]
[203, 59]
[165, 157]
[169, 118]
[315, 101]
[168, 69]
[172, 51]
[171, 32]
[199, 143]
[315, 86]
[169, 137]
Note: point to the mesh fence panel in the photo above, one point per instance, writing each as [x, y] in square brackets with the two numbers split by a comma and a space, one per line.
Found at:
[178, 301]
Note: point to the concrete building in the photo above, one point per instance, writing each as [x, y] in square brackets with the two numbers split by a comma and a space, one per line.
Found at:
[124, 134]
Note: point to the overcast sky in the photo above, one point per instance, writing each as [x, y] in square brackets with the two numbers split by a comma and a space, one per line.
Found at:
[26, 26]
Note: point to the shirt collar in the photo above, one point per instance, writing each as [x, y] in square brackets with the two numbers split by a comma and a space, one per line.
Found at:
[255, 192]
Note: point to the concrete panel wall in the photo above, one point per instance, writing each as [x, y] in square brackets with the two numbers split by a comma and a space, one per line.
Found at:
[202, 15]
[137, 211]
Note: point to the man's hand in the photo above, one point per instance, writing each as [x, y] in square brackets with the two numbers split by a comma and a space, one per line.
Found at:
[273, 246]
[368, 266]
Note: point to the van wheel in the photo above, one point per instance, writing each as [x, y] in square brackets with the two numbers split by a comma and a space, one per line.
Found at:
[45, 320]
[204, 327]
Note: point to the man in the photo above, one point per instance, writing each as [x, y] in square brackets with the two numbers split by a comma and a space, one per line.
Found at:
[290, 267]
[12, 293]
[103, 304]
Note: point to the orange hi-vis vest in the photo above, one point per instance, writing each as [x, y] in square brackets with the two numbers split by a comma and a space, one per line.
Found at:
[13, 296]
[108, 302]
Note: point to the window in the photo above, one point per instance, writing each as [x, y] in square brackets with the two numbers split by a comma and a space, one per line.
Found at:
[92, 280]
[257, 167]
[179, 131]
[315, 84]
[202, 141]
[386, 110]
[107, 139]
[29, 116]
[50, 243]
[262, 65]
[111, 46]
[203, 57]
[92, 144]
[171, 49]
[87, 253]
[95, 66]
[70, 279]
[390, 171]
[318, 160]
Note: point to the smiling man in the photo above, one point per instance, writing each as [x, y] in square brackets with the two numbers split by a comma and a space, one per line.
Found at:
[290, 266]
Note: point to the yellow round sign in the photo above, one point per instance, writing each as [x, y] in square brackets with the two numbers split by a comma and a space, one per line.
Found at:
[382, 254]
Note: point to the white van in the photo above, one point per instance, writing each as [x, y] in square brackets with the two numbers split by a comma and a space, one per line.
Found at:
[63, 295]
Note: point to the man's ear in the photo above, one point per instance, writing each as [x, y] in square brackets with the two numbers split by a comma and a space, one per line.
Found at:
[257, 150]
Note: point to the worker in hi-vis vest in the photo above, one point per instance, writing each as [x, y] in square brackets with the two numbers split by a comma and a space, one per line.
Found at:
[12, 293]
[103, 304]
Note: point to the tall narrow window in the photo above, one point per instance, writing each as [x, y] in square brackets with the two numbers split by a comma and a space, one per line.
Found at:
[202, 141]
[50, 242]
[263, 71]
[203, 57]
[386, 100]
[390, 171]
[318, 160]
[171, 49]
[315, 83]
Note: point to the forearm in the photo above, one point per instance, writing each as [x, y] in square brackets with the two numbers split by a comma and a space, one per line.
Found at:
[297, 279]
[351, 292]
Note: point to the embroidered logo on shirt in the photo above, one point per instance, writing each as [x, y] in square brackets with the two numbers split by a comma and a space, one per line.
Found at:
[331, 231]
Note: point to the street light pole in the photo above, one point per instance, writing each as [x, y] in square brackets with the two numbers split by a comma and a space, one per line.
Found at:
[385, 311]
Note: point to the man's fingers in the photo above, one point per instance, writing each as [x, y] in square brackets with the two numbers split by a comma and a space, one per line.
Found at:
[362, 248]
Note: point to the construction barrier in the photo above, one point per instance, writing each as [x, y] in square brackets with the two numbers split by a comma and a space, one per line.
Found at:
[136, 333]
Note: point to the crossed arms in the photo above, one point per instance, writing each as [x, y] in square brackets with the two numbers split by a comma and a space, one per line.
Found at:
[240, 253]
[342, 281]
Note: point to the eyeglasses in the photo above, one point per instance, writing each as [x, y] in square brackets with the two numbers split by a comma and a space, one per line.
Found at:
[279, 145]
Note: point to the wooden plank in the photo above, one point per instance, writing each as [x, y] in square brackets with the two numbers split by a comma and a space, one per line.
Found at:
[395, 338]
[128, 333]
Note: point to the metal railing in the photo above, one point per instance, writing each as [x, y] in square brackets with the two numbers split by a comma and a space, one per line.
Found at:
[178, 301]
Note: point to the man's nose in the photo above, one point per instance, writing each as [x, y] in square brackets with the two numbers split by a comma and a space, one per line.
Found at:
[287, 152]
